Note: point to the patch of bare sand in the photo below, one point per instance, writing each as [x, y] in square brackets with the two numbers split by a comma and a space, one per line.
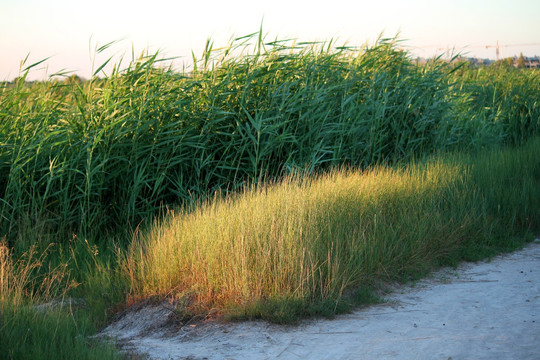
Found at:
[488, 310]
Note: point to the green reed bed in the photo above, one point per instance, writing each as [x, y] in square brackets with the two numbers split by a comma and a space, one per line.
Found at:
[505, 101]
[100, 156]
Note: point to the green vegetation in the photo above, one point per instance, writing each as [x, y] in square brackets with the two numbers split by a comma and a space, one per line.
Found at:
[47, 332]
[299, 247]
[101, 156]
[276, 180]
[502, 103]
[52, 335]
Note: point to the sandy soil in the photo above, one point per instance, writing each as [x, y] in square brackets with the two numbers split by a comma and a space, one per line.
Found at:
[487, 310]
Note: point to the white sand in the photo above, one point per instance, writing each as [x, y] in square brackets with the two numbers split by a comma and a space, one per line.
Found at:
[488, 310]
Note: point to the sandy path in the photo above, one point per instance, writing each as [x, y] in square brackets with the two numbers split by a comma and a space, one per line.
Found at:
[485, 310]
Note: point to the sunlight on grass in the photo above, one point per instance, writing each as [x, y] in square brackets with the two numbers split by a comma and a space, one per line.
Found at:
[313, 239]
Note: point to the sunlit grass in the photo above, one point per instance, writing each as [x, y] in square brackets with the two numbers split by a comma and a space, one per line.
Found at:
[312, 241]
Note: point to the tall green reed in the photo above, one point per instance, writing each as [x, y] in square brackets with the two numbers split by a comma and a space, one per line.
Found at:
[109, 153]
[501, 101]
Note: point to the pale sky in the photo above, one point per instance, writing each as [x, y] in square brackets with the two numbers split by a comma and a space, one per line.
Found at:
[68, 31]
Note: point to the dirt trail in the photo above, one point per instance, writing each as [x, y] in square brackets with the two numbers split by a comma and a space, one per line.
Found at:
[487, 310]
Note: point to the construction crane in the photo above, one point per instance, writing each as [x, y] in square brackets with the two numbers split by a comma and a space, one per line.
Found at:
[497, 47]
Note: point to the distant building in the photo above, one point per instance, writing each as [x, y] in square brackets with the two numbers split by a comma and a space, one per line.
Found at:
[528, 62]
[532, 62]
[476, 61]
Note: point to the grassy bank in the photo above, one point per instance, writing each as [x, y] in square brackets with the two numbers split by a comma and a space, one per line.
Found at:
[304, 246]
[300, 247]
